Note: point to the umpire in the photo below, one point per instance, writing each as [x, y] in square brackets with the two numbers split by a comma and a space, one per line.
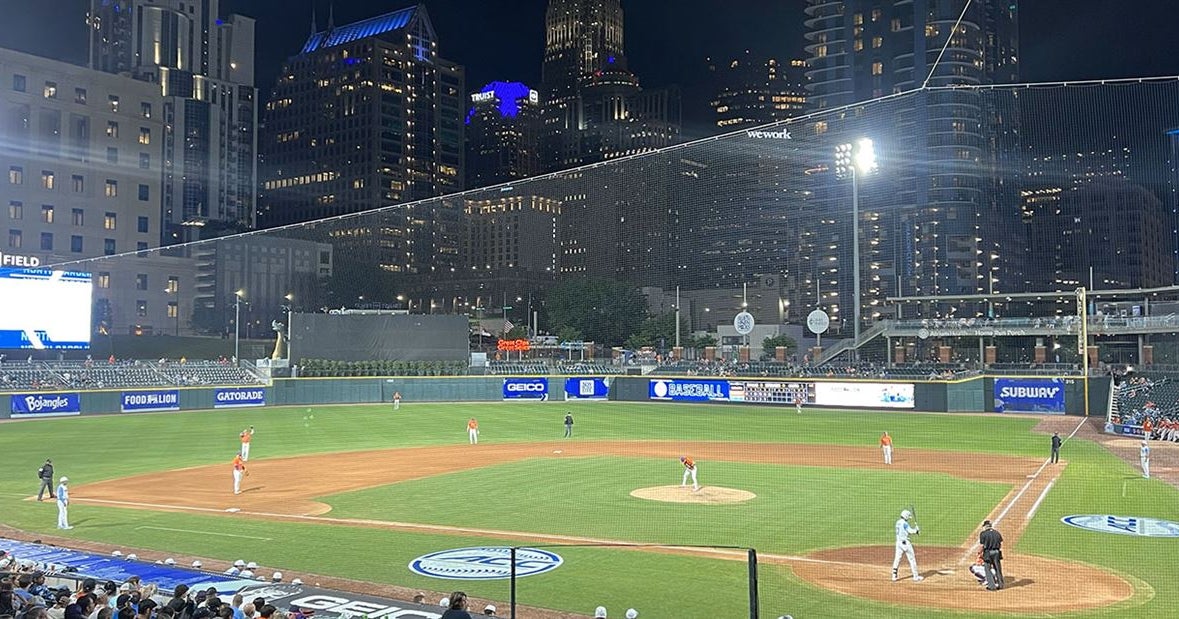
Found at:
[992, 545]
[45, 474]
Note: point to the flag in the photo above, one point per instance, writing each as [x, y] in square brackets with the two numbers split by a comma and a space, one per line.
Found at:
[508, 326]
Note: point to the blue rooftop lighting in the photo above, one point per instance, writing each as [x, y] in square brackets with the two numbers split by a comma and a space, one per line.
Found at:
[360, 30]
[508, 93]
[610, 59]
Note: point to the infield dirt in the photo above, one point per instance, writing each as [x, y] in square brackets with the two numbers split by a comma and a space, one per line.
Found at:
[287, 488]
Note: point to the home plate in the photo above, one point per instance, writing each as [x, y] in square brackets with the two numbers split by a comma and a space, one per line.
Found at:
[557, 451]
[233, 510]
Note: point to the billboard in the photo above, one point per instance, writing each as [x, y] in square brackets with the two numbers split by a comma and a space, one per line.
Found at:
[41, 309]
[586, 388]
[45, 404]
[865, 395]
[688, 390]
[526, 388]
[239, 396]
[1029, 395]
[143, 401]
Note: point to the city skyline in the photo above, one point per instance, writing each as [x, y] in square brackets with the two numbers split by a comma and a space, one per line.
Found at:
[503, 39]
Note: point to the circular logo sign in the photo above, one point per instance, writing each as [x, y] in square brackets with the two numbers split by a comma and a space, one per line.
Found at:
[743, 323]
[818, 321]
[484, 563]
[923, 333]
[1124, 525]
[660, 389]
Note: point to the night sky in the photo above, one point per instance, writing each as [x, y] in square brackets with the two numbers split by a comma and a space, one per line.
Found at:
[667, 42]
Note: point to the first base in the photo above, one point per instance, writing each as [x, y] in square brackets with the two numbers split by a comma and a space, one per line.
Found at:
[233, 510]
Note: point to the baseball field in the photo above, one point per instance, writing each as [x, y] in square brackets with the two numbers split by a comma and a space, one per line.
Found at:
[361, 491]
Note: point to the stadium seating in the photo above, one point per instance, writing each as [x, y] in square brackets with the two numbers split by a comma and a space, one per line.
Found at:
[83, 375]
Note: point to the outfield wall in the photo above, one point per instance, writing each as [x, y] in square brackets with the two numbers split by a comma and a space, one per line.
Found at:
[1048, 395]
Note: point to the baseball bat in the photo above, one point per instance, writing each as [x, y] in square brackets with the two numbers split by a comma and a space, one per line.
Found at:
[913, 510]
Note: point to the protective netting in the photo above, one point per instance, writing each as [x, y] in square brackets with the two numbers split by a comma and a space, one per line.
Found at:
[975, 190]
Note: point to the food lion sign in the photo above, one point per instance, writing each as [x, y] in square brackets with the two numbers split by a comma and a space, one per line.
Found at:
[485, 563]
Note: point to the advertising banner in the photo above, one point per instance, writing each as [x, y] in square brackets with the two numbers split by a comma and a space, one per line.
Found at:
[45, 404]
[526, 388]
[142, 401]
[1029, 395]
[687, 390]
[239, 396]
[865, 395]
[586, 388]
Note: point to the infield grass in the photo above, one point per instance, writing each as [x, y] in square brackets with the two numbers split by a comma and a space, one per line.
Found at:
[798, 508]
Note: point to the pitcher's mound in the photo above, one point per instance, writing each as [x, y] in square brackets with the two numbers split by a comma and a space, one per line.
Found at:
[709, 495]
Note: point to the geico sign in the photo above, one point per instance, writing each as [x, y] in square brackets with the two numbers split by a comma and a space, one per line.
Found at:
[525, 387]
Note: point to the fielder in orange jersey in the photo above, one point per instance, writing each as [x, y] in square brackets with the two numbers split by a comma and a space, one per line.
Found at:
[239, 469]
[473, 431]
[247, 435]
[886, 447]
[689, 471]
[1147, 428]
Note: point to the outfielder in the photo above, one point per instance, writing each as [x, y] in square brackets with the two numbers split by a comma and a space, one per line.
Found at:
[1144, 458]
[247, 435]
[904, 546]
[396, 400]
[689, 471]
[473, 431]
[239, 469]
[886, 447]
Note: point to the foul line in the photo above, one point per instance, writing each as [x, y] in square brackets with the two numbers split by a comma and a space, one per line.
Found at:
[732, 555]
[265, 539]
[971, 544]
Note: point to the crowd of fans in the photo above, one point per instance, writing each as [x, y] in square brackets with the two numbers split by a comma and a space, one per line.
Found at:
[1151, 403]
[114, 373]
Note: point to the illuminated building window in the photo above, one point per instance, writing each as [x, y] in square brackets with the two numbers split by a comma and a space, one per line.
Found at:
[896, 24]
[16, 175]
[50, 90]
[877, 68]
[858, 45]
[47, 179]
[877, 42]
[112, 188]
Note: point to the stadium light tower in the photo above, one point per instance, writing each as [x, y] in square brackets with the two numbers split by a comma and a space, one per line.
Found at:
[855, 160]
[237, 324]
[290, 308]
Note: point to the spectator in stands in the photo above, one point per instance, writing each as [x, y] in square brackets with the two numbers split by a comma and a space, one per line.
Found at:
[458, 607]
[39, 589]
[37, 612]
[489, 610]
[419, 598]
[248, 610]
[21, 591]
[9, 602]
[125, 612]
[267, 611]
[61, 599]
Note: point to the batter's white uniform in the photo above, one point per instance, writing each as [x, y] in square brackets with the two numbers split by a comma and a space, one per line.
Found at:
[1144, 458]
[905, 547]
[63, 506]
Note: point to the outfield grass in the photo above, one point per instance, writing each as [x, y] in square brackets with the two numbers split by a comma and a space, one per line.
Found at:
[798, 509]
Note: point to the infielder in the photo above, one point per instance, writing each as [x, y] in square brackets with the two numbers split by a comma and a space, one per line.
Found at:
[1144, 458]
[247, 435]
[473, 431]
[886, 447]
[904, 546]
[239, 469]
[63, 503]
[689, 471]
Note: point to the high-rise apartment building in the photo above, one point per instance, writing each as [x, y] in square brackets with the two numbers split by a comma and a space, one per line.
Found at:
[503, 134]
[368, 115]
[203, 66]
[752, 90]
[82, 153]
[941, 215]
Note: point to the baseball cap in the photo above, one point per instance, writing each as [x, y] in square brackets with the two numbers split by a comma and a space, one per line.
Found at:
[632, 613]
[196, 564]
[600, 612]
[251, 565]
[239, 563]
[276, 577]
[64, 479]
[490, 608]
[169, 561]
[444, 602]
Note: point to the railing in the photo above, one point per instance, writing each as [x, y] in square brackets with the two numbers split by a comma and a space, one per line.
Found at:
[846, 345]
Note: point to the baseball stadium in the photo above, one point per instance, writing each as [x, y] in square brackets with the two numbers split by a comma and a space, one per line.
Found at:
[789, 371]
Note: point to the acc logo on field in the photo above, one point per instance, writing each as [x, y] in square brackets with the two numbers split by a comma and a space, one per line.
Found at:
[1124, 525]
[484, 563]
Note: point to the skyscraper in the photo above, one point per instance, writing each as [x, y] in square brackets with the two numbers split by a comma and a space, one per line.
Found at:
[593, 106]
[503, 134]
[752, 90]
[941, 216]
[368, 115]
[204, 66]
[615, 221]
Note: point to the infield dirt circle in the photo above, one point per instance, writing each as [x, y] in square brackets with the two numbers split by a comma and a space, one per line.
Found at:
[282, 489]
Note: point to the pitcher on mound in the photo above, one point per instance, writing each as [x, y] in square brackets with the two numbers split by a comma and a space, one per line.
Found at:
[689, 471]
[905, 547]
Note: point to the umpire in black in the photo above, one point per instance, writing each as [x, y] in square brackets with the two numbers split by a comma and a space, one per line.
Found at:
[45, 474]
[992, 545]
[1055, 448]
